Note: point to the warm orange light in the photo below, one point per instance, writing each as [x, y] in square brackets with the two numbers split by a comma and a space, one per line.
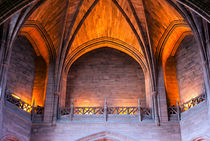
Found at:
[88, 112]
[15, 96]
[22, 105]
[27, 107]
[107, 21]
[36, 39]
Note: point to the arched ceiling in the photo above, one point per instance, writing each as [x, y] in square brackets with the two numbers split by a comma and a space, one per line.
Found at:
[51, 15]
[161, 17]
[105, 20]
[106, 42]
[39, 39]
[72, 23]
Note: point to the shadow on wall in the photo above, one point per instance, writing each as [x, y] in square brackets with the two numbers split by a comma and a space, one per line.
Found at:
[105, 136]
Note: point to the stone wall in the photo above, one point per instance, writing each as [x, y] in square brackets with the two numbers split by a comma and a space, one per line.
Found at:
[106, 73]
[70, 131]
[40, 80]
[171, 82]
[189, 69]
[16, 123]
[194, 123]
[21, 69]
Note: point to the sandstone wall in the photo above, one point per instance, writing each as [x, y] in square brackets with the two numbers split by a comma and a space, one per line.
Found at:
[189, 69]
[21, 69]
[106, 73]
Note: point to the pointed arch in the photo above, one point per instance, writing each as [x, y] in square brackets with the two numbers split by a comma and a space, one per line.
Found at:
[112, 43]
[105, 42]
[106, 134]
[10, 138]
[39, 39]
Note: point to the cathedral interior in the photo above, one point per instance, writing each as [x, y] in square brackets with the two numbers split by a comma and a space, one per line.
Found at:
[105, 70]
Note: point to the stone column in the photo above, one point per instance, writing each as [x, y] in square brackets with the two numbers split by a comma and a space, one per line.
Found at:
[207, 65]
[55, 108]
[202, 38]
[139, 110]
[162, 99]
[105, 110]
[2, 95]
[71, 109]
[50, 96]
[207, 87]
[155, 106]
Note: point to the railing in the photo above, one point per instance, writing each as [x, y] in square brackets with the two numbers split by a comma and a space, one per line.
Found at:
[16, 101]
[38, 110]
[175, 111]
[146, 113]
[193, 102]
[65, 111]
[123, 110]
[19, 103]
[100, 110]
[88, 110]
[172, 110]
[138, 112]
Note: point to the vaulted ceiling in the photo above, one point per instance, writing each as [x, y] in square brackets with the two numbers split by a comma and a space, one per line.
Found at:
[140, 28]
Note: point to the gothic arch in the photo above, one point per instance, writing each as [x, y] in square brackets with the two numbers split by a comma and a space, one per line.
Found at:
[106, 42]
[201, 138]
[106, 135]
[39, 39]
[10, 138]
[112, 43]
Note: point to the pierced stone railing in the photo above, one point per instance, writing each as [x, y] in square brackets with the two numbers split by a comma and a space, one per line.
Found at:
[175, 111]
[19, 103]
[88, 110]
[123, 110]
[146, 113]
[34, 111]
[65, 111]
[193, 102]
[104, 112]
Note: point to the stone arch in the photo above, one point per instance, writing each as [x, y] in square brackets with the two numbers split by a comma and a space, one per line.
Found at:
[105, 139]
[36, 33]
[106, 135]
[21, 69]
[201, 138]
[172, 70]
[167, 46]
[111, 43]
[10, 138]
[113, 70]
[106, 42]
[43, 44]
[39, 38]
[171, 38]
[189, 70]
